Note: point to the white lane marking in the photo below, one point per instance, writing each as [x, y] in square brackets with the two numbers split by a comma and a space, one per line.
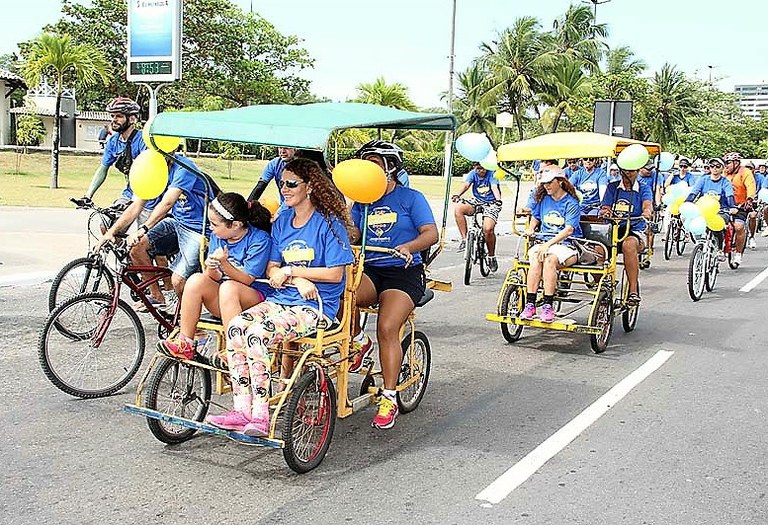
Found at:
[526, 467]
[26, 279]
[754, 282]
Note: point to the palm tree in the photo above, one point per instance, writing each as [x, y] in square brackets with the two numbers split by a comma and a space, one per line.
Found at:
[566, 84]
[576, 35]
[392, 95]
[621, 60]
[514, 63]
[674, 101]
[58, 58]
[472, 111]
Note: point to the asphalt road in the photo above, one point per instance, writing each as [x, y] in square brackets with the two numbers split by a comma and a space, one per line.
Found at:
[685, 446]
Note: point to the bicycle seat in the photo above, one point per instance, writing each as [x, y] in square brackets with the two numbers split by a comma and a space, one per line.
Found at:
[208, 317]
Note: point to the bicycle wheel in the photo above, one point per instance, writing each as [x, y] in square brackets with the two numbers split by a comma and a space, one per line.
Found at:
[712, 269]
[103, 358]
[309, 420]
[482, 252]
[602, 317]
[629, 316]
[669, 241]
[696, 273]
[180, 390]
[681, 240]
[421, 362]
[469, 257]
[511, 305]
[85, 274]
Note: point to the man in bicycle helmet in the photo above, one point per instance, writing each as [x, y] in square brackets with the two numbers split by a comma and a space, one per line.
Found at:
[744, 190]
[124, 114]
[391, 155]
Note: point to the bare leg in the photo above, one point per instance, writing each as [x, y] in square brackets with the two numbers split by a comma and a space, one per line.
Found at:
[460, 212]
[489, 231]
[394, 307]
[741, 236]
[630, 248]
[200, 289]
[140, 257]
[550, 274]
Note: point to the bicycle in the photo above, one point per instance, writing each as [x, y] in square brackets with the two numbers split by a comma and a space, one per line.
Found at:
[704, 264]
[93, 344]
[90, 273]
[676, 237]
[476, 249]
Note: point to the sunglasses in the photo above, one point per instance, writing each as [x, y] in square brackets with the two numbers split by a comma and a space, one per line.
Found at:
[685, 165]
[291, 184]
[719, 166]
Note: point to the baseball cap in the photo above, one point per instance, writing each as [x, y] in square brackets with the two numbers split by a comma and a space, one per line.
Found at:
[550, 175]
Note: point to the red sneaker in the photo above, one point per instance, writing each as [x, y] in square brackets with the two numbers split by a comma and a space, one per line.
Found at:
[386, 415]
[363, 351]
[179, 347]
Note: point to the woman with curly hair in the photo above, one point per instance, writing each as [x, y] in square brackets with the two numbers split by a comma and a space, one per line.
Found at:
[310, 248]
[556, 214]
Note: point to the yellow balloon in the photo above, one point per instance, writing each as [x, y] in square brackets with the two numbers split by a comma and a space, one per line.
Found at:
[149, 175]
[271, 204]
[360, 180]
[163, 143]
[715, 223]
[709, 206]
[674, 209]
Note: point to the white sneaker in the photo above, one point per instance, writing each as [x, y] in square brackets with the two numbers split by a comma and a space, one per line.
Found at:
[765, 232]
[751, 244]
[462, 245]
[737, 258]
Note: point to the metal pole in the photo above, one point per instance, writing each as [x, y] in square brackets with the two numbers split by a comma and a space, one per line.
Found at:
[451, 58]
[152, 97]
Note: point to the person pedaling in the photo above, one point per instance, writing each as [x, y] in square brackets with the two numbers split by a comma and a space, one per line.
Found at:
[744, 191]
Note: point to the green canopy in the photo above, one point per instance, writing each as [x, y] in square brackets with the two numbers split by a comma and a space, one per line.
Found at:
[301, 126]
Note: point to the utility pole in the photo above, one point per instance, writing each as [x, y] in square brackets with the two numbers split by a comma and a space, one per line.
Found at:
[451, 58]
[595, 3]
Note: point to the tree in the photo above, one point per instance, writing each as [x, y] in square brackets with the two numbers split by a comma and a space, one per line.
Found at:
[575, 35]
[673, 102]
[58, 58]
[621, 60]
[471, 109]
[566, 83]
[391, 95]
[514, 62]
[237, 56]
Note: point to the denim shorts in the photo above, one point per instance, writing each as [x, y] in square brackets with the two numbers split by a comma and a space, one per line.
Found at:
[187, 261]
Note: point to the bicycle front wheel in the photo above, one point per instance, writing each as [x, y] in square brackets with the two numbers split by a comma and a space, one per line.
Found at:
[104, 356]
[469, 257]
[82, 275]
[696, 268]
[669, 241]
[482, 253]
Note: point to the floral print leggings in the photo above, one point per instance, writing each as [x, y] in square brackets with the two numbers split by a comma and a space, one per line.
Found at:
[249, 336]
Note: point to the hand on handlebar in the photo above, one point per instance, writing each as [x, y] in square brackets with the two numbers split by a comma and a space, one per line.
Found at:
[733, 211]
[404, 253]
[455, 198]
[306, 288]
[106, 238]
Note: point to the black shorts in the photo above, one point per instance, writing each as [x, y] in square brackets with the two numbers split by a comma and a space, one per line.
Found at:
[410, 280]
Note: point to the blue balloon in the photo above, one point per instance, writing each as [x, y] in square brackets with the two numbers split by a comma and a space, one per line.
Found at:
[473, 146]
[762, 195]
[697, 226]
[689, 210]
[666, 161]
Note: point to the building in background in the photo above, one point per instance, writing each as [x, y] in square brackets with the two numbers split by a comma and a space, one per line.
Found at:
[753, 99]
[9, 82]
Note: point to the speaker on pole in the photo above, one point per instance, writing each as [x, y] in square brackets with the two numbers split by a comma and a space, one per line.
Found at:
[613, 117]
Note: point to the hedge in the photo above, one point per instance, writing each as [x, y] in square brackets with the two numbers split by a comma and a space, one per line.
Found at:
[430, 164]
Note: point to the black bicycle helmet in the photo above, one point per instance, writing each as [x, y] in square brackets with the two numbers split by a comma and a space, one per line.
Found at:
[123, 105]
[392, 155]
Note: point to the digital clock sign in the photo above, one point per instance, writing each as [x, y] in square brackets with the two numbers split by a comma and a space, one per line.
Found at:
[154, 40]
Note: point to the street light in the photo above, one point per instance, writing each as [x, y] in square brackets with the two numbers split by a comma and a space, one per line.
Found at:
[450, 59]
[595, 3]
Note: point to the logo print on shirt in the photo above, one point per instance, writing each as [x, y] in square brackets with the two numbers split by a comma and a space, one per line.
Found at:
[381, 220]
[554, 219]
[622, 208]
[588, 186]
[483, 189]
[298, 253]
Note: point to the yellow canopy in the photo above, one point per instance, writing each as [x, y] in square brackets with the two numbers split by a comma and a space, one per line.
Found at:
[568, 146]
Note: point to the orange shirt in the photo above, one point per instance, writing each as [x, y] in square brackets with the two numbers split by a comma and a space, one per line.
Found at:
[743, 184]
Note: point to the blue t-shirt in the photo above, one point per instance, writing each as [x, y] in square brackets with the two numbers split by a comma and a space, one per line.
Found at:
[555, 215]
[628, 203]
[589, 185]
[249, 254]
[274, 170]
[569, 172]
[403, 178]
[759, 179]
[114, 147]
[481, 186]
[721, 189]
[678, 177]
[393, 220]
[189, 207]
[764, 184]
[316, 244]
[652, 180]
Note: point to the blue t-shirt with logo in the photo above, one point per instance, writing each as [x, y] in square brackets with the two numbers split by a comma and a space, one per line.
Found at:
[393, 220]
[481, 186]
[274, 170]
[319, 243]
[250, 254]
[590, 185]
[555, 215]
[652, 180]
[115, 147]
[189, 207]
[721, 189]
[628, 203]
[678, 177]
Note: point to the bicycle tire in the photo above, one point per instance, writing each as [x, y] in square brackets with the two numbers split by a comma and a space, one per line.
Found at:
[409, 398]
[302, 415]
[712, 268]
[681, 241]
[669, 240]
[510, 305]
[177, 402]
[485, 270]
[696, 273]
[602, 316]
[469, 258]
[71, 271]
[93, 309]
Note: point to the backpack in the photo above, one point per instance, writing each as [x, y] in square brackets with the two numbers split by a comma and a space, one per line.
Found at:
[125, 159]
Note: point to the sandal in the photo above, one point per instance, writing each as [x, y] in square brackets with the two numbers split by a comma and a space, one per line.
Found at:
[141, 308]
[633, 299]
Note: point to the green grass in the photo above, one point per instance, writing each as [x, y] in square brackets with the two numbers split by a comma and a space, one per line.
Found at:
[30, 185]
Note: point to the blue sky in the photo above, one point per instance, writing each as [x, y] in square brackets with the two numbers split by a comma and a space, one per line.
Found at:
[408, 41]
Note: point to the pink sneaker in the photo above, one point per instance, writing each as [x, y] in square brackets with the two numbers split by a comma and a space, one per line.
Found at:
[547, 314]
[363, 351]
[257, 427]
[232, 420]
[386, 415]
[528, 313]
[179, 347]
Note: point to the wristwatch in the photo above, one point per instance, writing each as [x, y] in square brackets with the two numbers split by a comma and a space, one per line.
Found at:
[144, 227]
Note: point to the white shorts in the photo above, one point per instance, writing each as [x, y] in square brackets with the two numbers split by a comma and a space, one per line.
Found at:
[561, 251]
